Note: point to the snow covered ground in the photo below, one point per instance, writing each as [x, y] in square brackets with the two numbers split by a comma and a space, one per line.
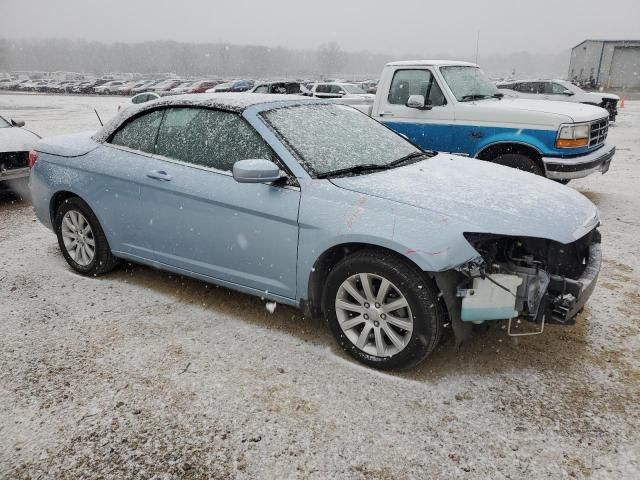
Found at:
[141, 374]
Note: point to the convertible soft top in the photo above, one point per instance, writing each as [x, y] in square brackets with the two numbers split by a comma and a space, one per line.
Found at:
[233, 102]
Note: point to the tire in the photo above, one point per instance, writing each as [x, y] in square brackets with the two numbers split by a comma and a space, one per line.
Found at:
[71, 216]
[564, 181]
[519, 162]
[422, 317]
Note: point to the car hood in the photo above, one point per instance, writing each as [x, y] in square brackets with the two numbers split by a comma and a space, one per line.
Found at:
[14, 139]
[482, 197]
[526, 111]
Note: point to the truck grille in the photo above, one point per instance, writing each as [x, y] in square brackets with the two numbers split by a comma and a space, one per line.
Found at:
[599, 129]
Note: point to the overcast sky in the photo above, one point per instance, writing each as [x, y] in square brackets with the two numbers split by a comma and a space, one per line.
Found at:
[396, 27]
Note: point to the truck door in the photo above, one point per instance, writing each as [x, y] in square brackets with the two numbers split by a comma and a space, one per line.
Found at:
[430, 128]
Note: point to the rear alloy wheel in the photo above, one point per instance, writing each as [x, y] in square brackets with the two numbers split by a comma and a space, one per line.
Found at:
[81, 239]
[519, 162]
[382, 310]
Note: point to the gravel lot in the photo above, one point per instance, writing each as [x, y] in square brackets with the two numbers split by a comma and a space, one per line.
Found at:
[141, 374]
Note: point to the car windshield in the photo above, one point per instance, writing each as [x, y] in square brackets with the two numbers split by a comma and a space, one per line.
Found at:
[352, 89]
[4, 123]
[327, 138]
[468, 83]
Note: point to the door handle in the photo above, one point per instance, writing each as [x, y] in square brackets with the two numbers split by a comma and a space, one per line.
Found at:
[159, 175]
[386, 114]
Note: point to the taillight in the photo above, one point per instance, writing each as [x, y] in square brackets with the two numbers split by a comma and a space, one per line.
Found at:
[33, 158]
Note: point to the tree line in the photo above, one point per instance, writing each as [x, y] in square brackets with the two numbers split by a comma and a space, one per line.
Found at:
[228, 60]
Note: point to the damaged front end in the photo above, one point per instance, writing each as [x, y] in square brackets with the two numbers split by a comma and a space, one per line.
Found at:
[534, 279]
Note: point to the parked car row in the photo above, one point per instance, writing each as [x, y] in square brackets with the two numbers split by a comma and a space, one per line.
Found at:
[334, 88]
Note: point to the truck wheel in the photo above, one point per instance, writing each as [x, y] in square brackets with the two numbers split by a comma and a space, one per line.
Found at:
[382, 310]
[81, 238]
[518, 161]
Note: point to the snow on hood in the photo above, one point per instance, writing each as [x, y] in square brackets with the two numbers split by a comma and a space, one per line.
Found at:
[14, 139]
[483, 197]
[527, 111]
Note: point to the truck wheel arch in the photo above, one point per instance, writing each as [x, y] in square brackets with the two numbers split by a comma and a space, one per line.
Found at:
[494, 150]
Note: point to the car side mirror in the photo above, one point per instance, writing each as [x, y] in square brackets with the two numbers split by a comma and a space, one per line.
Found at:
[17, 123]
[341, 92]
[568, 93]
[419, 102]
[255, 171]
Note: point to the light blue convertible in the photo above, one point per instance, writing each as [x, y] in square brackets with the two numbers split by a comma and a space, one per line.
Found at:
[316, 205]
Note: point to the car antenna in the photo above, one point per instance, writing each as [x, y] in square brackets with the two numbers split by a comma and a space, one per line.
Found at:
[99, 119]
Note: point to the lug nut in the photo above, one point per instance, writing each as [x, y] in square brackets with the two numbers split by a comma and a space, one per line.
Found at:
[365, 316]
[377, 305]
[383, 316]
[366, 305]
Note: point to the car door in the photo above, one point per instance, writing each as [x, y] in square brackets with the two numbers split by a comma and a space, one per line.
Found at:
[207, 223]
[532, 90]
[430, 129]
[126, 159]
[557, 92]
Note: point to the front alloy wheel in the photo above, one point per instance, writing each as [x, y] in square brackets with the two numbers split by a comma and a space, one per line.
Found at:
[382, 309]
[374, 315]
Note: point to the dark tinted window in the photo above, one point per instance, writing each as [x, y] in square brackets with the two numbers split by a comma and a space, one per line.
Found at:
[531, 87]
[139, 133]
[415, 82]
[209, 138]
[323, 89]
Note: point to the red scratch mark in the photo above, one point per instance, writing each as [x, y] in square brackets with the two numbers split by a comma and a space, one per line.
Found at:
[356, 212]
[411, 251]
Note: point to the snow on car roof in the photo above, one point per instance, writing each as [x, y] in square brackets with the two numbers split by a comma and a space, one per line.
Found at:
[234, 102]
[440, 63]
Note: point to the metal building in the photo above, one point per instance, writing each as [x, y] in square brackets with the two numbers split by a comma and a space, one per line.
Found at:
[606, 63]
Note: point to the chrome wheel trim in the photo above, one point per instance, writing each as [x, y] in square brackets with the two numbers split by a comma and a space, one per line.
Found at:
[374, 315]
[78, 238]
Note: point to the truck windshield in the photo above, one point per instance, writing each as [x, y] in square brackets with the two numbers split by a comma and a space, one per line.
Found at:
[332, 138]
[469, 83]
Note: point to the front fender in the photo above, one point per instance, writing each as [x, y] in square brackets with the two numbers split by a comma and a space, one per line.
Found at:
[331, 216]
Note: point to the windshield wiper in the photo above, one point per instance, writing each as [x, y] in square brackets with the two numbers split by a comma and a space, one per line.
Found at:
[474, 96]
[366, 167]
[406, 158]
[355, 169]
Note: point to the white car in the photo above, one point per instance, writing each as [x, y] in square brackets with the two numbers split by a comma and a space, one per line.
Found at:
[109, 87]
[139, 98]
[340, 90]
[560, 90]
[15, 144]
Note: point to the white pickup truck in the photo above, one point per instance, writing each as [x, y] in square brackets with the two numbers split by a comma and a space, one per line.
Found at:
[452, 107]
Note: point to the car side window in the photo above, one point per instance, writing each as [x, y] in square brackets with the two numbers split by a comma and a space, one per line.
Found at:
[553, 88]
[139, 133]
[209, 138]
[262, 89]
[323, 88]
[415, 82]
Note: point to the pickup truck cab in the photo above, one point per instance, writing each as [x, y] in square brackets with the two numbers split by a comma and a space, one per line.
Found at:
[452, 107]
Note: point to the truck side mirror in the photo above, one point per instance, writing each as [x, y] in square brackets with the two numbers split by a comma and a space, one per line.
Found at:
[17, 123]
[419, 102]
